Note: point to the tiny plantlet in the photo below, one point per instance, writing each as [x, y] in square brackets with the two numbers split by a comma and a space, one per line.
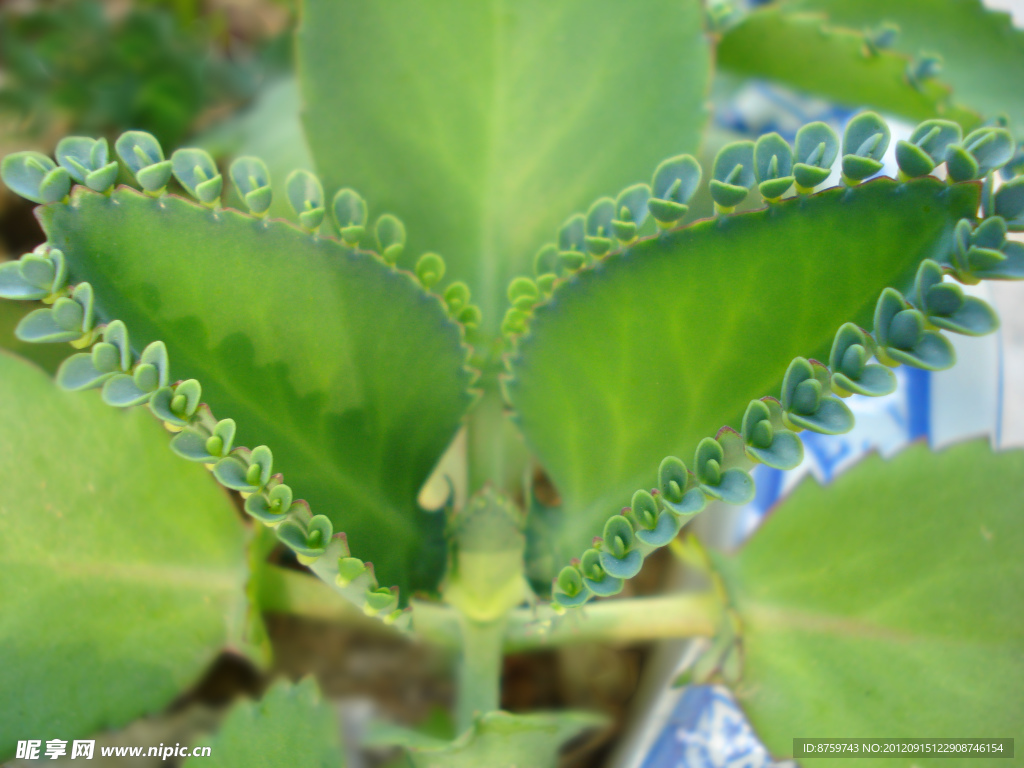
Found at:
[515, 269]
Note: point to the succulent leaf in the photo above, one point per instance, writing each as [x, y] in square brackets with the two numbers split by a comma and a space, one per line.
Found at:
[902, 338]
[572, 242]
[1009, 203]
[733, 174]
[306, 196]
[196, 171]
[290, 723]
[818, 54]
[596, 579]
[773, 163]
[390, 232]
[78, 372]
[851, 372]
[430, 269]
[675, 182]
[940, 613]
[273, 506]
[673, 479]
[482, 159]
[766, 444]
[368, 381]
[112, 498]
[990, 147]
[177, 405]
[570, 590]
[693, 502]
[231, 472]
[456, 297]
[87, 162]
[817, 147]
[665, 529]
[350, 215]
[69, 319]
[35, 177]
[142, 153]
[598, 226]
[631, 212]
[961, 164]
[40, 274]
[579, 329]
[252, 180]
[946, 307]
[307, 539]
[864, 142]
[522, 292]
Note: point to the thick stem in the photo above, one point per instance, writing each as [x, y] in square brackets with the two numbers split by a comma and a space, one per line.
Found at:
[497, 454]
[479, 680]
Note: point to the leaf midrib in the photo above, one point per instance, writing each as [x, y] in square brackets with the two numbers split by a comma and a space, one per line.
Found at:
[769, 616]
[188, 577]
[488, 234]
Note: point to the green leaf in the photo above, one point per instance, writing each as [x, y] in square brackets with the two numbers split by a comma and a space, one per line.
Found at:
[122, 567]
[144, 156]
[306, 196]
[483, 124]
[773, 160]
[817, 147]
[290, 725]
[35, 177]
[345, 368]
[251, 178]
[889, 603]
[675, 181]
[864, 143]
[927, 146]
[649, 352]
[85, 160]
[809, 52]
[196, 171]
[979, 48]
[733, 174]
[496, 739]
[46, 356]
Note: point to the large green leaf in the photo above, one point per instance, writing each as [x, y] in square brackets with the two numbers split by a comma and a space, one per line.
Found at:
[889, 604]
[803, 51]
[290, 726]
[347, 369]
[983, 55]
[483, 124]
[122, 568]
[657, 348]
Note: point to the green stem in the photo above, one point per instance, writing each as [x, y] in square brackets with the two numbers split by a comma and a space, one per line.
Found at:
[497, 454]
[634, 620]
[479, 679]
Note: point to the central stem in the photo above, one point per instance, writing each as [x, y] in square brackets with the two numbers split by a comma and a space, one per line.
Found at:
[497, 454]
[479, 679]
